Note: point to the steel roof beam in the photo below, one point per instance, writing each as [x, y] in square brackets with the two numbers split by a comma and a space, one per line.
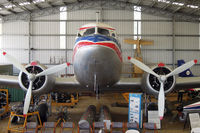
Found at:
[17, 5]
[35, 5]
[50, 3]
[153, 4]
[7, 9]
[108, 4]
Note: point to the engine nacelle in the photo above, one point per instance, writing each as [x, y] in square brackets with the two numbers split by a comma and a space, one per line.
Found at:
[151, 84]
[41, 85]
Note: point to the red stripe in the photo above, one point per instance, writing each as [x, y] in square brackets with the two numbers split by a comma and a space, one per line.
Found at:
[109, 45]
[192, 105]
[86, 28]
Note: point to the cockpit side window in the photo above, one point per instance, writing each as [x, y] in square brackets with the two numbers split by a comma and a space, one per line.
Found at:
[103, 31]
[89, 32]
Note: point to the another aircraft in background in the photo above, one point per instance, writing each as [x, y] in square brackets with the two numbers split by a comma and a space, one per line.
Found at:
[97, 62]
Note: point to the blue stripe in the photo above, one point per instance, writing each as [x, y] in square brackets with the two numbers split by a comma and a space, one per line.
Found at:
[98, 38]
[196, 107]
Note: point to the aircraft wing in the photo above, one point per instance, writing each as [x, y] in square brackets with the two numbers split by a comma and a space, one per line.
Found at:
[67, 84]
[123, 85]
[187, 82]
[11, 81]
[127, 85]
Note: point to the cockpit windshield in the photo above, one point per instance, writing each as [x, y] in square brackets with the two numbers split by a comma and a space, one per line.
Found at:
[89, 32]
[103, 31]
[96, 30]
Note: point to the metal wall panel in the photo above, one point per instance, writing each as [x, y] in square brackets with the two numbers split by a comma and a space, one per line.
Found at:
[151, 17]
[154, 29]
[19, 27]
[160, 28]
[155, 57]
[186, 28]
[187, 43]
[44, 57]
[122, 27]
[187, 55]
[45, 28]
[82, 15]
[45, 42]
[160, 42]
[15, 42]
[117, 15]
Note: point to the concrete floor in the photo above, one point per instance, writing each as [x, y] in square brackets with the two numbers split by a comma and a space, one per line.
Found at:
[117, 113]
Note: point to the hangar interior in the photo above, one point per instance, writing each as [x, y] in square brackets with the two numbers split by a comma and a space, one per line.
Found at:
[45, 31]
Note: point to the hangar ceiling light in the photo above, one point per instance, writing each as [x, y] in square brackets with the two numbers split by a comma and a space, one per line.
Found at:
[38, 1]
[193, 6]
[178, 3]
[24, 3]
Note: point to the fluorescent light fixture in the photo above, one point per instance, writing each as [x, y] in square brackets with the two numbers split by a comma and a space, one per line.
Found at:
[192, 6]
[38, 1]
[164, 1]
[24, 3]
[178, 3]
[9, 6]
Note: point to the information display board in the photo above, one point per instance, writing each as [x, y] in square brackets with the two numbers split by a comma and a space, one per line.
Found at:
[135, 108]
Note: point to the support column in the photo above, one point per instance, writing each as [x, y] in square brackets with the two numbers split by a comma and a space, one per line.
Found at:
[29, 40]
[173, 44]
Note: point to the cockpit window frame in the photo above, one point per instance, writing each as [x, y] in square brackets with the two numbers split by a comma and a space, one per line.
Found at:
[111, 33]
[88, 30]
[103, 29]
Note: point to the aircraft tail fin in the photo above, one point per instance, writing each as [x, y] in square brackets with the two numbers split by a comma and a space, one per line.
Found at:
[186, 73]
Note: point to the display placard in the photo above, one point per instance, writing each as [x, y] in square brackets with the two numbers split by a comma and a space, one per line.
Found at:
[135, 108]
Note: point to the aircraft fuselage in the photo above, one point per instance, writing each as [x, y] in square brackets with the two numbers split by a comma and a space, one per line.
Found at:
[97, 60]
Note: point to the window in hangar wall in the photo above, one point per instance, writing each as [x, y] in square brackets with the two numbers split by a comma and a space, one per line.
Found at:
[63, 16]
[137, 24]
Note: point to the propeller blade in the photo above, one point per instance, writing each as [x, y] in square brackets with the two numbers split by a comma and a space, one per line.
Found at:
[182, 68]
[53, 69]
[143, 66]
[28, 98]
[161, 101]
[14, 61]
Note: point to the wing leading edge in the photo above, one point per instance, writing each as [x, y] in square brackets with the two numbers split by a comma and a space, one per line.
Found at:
[124, 84]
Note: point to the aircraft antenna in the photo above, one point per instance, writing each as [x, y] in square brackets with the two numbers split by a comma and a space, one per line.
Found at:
[97, 17]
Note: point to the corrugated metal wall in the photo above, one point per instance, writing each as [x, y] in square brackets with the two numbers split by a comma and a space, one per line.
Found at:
[186, 41]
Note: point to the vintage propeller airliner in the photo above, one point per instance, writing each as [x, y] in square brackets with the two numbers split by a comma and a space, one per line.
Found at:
[97, 62]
